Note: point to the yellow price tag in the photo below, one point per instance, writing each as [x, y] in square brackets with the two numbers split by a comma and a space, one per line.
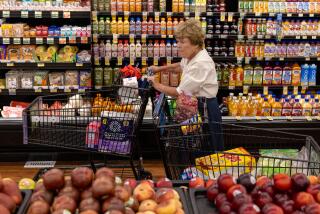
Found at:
[245, 89]
[169, 60]
[311, 15]
[295, 90]
[258, 118]
[37, 90]
[106, 61]
[265, 90]
[79, 64]
[285, 90]
[115, 38]
[144, 61]
[53, 90]
[131, 61]
[155, 61]
[119, 60]
[10, 64]
[131, 36]
[222, 16]
[300, 14]
[269, 118]
[238, 118]
[303, 89]
[289, 118]
[230, 17]
[308, 118]
[40, 64]
[67, 90]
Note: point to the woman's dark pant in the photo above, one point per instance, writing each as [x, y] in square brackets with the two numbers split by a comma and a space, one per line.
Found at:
[209, 107]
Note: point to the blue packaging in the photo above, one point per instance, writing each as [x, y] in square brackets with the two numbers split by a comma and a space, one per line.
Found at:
[312, 75]
[304, 75]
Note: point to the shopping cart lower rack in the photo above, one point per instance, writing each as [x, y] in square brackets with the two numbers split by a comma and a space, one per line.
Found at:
[106, 121]
[186, 149]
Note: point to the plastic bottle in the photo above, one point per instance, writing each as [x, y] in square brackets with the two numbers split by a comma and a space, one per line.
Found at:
[120, 25]
[132, 50]
[175, 6]
[304, 75]
[174, 49]
[150, 6]
[239, 76]
[312, 78]
[132, 6]
[232, 76]
[114, 27]
[316, 108]
[144, 27]
[144, 50]
[307, 108]
[162, 48]
[244, 107]
[126, 48]
[108, 49]
[119, 5]
[267, 75]
[150, 26]
[114, 48]
[138, 26]
[138, 6]
[120, 49]
[162, 6]
[296, 74]
[101, 26]
[248, 75]
[257, 75]
[297, 108]
[102, 49]
[277, 75]
[157, 27]
[156, 49]
[266, 108]
[126, 5]
[107, 26]
[287, 75]
[126, 26]
[150, 49]
[163, 28]
[95, 26]
[175, 24]
[276, 108]
[181, 6]
[138, 48]
[132, 26]
[286, 108]
[168, 49]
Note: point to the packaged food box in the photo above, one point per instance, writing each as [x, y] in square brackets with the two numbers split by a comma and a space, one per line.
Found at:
[235, 162]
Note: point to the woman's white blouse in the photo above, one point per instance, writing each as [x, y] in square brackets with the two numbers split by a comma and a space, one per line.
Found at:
[199, 76]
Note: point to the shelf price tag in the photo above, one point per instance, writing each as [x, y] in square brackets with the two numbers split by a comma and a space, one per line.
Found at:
[230, 17]
[238, 118]
[38, 14]
[222, 16]
[268, 37]
[12, 91]
[6, 41]
[303, 89]
[144, 38]
[169, 60]
[54, 14]
[258, 118]
[318, 117]
[131, 60]
[16, 41]
[94, 38]
[308, 118]
[155, 61]
[265, 90]
[307, 58]
[311, 15]
[247, 60]
[115, 38]
[39, 41]
[289, 15]
[230, 87]
[81, 90]
[314, 37]
[269, 118]
[285, 90]
[281, 59]
[295, 90]
[271, 14]
[73, 40]
[298, 37]
[245, 89]
[156, 16]
[114, 13]
[24, 14]
[53, 90]
[37, 90]
[62, 40]
[84, 40]
[257, 14]
[67, 90]
[304, 37]
[10, 64]
[106, 61]
[50, 41]
[131, 36]
[318, 58]
[197, 16]
[240, 36]
[209, 13]
[119, 60]
[289, 118]
[40, 64]
[169, 14]
[144, 61]
[66, 15]
[79, 64]
[26, 41]
[187, 14]
[300, 14]
[6, 14]
[94, 15]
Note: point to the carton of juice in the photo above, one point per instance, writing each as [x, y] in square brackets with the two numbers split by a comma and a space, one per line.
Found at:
[228, 162]
[312, 75]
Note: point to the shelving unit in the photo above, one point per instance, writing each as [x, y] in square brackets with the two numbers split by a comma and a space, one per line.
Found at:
[45, 40]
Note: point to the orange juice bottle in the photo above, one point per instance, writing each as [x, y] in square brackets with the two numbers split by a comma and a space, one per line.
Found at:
[296, 74]
[297, 108]
[316, 108]
[120, 25]
[138, 6]
[126, 5]
[307, 108]
[169, 26]
[181, 6]
[276, 108]
[163, 26]
[266, 108]
[233, 109]
[132, 6]
[175, 6]
[114, 25]
[239, 75]
[243, 107]
[126, 25]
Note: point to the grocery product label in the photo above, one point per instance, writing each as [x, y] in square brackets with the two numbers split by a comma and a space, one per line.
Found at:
[38, 14]
[286, 112]
[296, 112]
[257, 77]
[307, 112]
[276, 112]
[24, 14]
[267, 77]
[54, 14]
[266, 111]
[315, 111]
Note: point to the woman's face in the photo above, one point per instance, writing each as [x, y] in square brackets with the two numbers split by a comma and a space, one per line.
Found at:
[186, 49]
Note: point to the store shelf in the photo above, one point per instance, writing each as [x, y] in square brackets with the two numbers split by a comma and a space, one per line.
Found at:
[34, 92]
[281, 119]
[136, 36]
[45, 40]
[284, 15]
[259, 37]
[277, 59]
[161, 14]
[269, 87]
[45, 66]
[45, 14]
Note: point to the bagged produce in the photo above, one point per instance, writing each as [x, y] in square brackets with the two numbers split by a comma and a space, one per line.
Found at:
[186, 107]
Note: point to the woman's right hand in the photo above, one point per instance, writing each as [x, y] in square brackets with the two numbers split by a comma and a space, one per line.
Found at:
[155, 69]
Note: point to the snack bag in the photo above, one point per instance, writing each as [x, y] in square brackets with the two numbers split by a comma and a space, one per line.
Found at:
[186, 107]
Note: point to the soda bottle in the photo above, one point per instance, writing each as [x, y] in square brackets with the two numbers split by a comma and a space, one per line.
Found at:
[169, 26]
[239, 76]
[266, 108]
[163, 28]
[132, 26]
[150, 49]
[168, 49]
[126, 49]
[307, 108]
[126, 26]
[138, 26]
[248, 75]
[276, 108]
[150, 26]
[120, 25]
[138, 49]
[316, 108]
[277, 75]
[120, 49]
[297, 108]
[156, 50]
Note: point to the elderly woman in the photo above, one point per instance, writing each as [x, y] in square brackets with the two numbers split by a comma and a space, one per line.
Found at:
[198, 77]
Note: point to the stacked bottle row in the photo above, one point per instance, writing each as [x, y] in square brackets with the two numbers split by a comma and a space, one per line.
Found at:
[215, 26]
[104, 77]
[262, 26]
[272, 49]
[279, 6]
[133, 50]
[295, 75]
[153, 5]
[220, 47]
[260, 105]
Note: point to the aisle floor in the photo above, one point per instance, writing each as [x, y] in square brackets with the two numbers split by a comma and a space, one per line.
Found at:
[17, 171]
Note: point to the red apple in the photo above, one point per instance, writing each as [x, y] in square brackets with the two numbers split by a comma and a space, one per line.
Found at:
[288, 206]
[318, 197]
[262, 198]
[210, 182]
[313, 189]
[225, 181]
[149, 182]
[221, 197]
[272, 209]
[249, 209]
[225, 208]
[282, 182]
[312, 208]
[235, 190]
[132, 183]
[313, 179]
[212, 193]
[303, 199]
[164, 182]
[196, 182]
[241, 199]
[300, 182]
[262, 180]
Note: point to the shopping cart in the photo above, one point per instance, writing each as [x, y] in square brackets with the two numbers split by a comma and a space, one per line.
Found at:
[104, 121]
[186, 151]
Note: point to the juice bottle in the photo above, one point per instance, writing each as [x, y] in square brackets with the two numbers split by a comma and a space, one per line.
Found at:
[150, 26]
[156, 50]
[114, 48]
[248, 75]
[304, 74]
[257, 75]
[95, 26]
[297, 108]
[286, 108]
[244, 107]
[120, 26]
[233, 109]
[120, 49]
[181, 6]
[126, 49]
[168, 49]
[162, 49]
[132, 50]
[126, 5]
[239, 75]
[132, 26]
[225, 75]
[138, 6]
[108, 49]
[267, 75]
[162, 5]
[107, 26]
[286, 75]
[126, 26]
[114, 27]
[175, 6]
[266, 108]
[102, 49]
[150, 49]
[101, 28]
[144, 27]
[253, 108]
[150, 6]
[119, 5]
[277, 75]
[169, 26]
[157, 27]
[175, 24]
[276, 108]
[296, 74]
[132, 6]
[174, 49]
[312, 75]
[144, 50]
[138, 26]
[316, 108]
[163, 27]
[232, 76]
[138, 49]
[307, 108]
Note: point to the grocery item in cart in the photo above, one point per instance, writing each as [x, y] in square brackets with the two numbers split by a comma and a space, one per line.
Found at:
[235, 162]
[71, 79]
[186, 107]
